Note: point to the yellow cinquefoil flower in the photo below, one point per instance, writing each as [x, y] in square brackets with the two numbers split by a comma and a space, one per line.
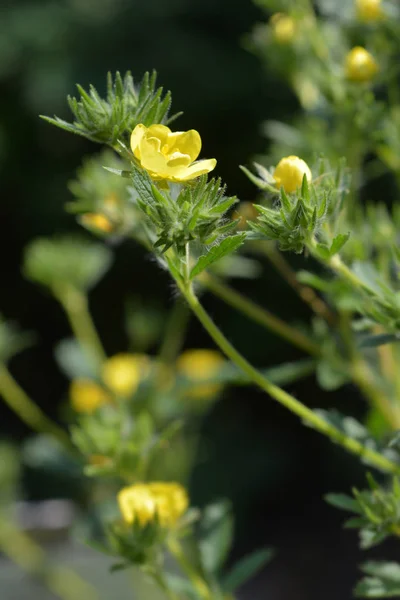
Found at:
[199, 365]
[122, 373]
[147, 502]
[360, 65]
[369, 10]
[87, 396]
[97, 221]
[289, 173]
[283, 28]
[169, 155]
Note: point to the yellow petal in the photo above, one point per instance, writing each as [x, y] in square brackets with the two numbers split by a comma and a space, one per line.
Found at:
[136, 136]
[150, 158]
[186, 142]
[196, 169]
[161, 132]
[178, 160]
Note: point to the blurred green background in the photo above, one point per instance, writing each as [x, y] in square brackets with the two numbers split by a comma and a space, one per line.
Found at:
[273, 469]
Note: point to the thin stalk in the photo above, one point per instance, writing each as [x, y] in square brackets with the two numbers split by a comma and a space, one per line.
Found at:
[306, 293]
[197, 581]
[162, 584]
[17, 399]
[75, 304]
[30, 557]
[259, 314]
[174, 332]
[285, 399]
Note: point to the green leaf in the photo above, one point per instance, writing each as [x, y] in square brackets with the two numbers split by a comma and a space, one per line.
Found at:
[338, 243]
[246, 568]
[373, 341]
[181, 586]
[216, 534]
[74, 361]
[383, 580]
[227, 246]
[343, 502]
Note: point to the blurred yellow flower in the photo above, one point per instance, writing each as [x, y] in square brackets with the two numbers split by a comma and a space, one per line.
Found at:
[122, 373]
[198, 366]
[369, 10]
[143, 503]
[360, 65]
[169, 155]
[97, 221]
[245, 212]
[289, 173]
[283, 28]
[87, 396]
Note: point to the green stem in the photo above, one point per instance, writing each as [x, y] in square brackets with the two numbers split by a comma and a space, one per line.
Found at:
[26, 409]
[162, 584]
[29, 556]
[285, 399]
[305, 292]
[174, 332]
[259, 314]
[197, 581]
[75, 304]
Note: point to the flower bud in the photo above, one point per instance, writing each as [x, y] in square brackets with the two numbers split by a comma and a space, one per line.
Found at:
[289, 173]
[122, 373]
[283, 28]
[369, 10]
[198, 366]
[161, 502]
[360, 65]
[87, 396]
[97, 222]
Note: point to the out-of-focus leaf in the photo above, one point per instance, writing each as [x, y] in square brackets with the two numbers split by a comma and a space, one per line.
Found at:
[342, 501]
[73, 360]
[246, 568]
[12, 341]
[383, 580]
[216, 533]
[66, 261]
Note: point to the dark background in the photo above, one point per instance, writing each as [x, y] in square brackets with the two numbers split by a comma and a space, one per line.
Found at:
[273, 469]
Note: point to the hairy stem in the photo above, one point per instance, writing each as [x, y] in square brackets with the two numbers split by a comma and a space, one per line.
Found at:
[259, 314]
[285, 399]
[17, 399]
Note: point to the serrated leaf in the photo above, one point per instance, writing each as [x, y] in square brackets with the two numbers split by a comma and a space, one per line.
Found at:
[246, 568]
[227, 246]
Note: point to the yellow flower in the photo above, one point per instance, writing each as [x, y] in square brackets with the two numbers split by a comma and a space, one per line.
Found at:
[283, 28]
[369, 10]
[198, 366]
[122, 373]
[97, 221]
[87, 396]
[289, 173]
[360, 65]
[169, 155]
[147, 502]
